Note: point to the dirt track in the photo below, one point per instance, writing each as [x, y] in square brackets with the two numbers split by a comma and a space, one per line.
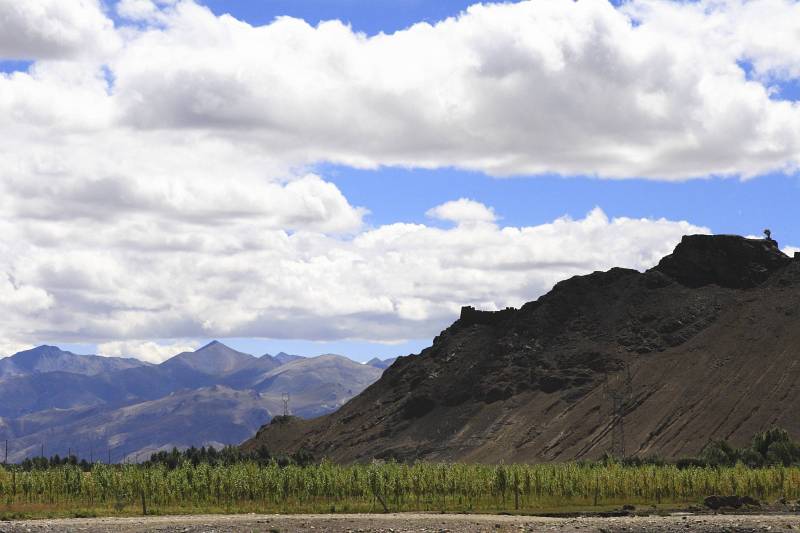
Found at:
[401, 523]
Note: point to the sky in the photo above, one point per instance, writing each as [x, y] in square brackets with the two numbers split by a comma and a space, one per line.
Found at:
[341, 176]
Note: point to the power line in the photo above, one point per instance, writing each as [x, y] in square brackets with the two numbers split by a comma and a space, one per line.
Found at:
[286, 399]
[619, 398]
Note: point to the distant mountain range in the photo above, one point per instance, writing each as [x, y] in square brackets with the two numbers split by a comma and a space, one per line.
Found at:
[51, 359]
[215, 395]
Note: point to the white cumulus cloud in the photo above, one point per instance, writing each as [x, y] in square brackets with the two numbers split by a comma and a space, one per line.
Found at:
[388, 283]
[148, 351]
[7, 349]
[654, 89]
[55, 29]
[463, 210]
[157, 176]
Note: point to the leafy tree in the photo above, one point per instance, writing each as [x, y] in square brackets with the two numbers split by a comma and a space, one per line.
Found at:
[720, 453]
[764, 439]
[751, 458]
[784, 453]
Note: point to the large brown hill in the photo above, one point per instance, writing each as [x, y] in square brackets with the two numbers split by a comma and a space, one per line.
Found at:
[710, 340]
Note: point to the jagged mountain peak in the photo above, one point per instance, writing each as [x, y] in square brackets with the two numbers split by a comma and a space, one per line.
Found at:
[211, 344]
[45, 358]
[215, 358]
[45, 350]
[283, 357]
[381, 363]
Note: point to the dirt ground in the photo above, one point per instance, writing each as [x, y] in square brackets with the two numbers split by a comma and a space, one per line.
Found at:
[402, 523]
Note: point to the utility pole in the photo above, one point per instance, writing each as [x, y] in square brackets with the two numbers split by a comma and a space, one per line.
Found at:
[619, 397]
[109, 455]
[5, 460]
[286, 399]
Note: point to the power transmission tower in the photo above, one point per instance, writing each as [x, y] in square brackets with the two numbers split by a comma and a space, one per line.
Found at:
[286, 399]
[619, 396]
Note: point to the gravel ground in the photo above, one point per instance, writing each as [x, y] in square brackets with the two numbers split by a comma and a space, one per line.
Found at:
[408, 522]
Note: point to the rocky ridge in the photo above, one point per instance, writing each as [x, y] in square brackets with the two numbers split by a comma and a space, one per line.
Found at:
[708, 337]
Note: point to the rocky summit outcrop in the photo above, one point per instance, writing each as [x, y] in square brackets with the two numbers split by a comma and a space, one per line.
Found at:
[704, 345]
[724, 260]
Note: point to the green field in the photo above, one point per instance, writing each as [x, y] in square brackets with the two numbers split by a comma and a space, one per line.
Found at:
[250, 487]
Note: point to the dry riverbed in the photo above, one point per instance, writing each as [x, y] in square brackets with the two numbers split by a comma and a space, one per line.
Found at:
[409, 522]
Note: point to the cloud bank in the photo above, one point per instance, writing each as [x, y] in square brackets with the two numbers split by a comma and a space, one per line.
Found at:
[158, 173]
[149, 351]
[388, 283]
[654, 89]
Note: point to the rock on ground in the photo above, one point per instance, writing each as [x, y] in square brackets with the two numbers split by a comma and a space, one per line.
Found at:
[410, 522]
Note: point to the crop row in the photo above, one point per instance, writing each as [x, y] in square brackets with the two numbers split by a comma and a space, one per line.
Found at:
[393, 486]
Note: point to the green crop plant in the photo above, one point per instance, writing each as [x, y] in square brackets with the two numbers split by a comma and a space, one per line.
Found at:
[250, 486]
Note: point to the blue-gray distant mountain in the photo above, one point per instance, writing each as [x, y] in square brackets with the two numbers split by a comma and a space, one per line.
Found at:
[383, 364]
[317, 385]
[52, 359]
[283, 357]
[214, 359]
[210, 416]
[212, 396]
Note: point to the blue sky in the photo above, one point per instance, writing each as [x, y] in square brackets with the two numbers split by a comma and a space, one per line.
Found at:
[725, 205]
[728, 205]
[669, 134]
[367, 16]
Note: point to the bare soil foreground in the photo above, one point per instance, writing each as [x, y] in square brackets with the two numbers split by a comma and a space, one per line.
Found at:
[411, 522]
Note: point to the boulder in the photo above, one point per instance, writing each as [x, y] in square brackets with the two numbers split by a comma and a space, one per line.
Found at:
[733, 502]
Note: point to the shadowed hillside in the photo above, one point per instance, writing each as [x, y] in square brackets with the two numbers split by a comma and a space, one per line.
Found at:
[710, 340]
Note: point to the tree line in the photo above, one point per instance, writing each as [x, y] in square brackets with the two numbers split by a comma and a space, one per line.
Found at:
[772, 447]
[209, 455]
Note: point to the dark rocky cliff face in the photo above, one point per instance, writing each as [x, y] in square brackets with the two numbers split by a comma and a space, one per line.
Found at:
[724, 260]
[527, 384]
